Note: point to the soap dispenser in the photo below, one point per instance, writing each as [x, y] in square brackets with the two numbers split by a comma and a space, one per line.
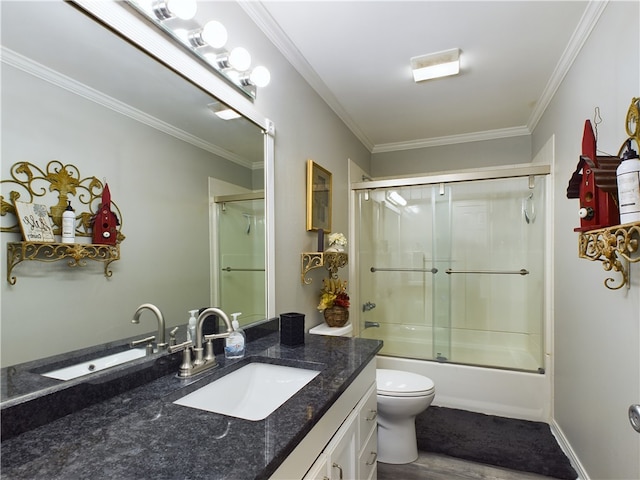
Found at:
[235, 342]
[191, 329]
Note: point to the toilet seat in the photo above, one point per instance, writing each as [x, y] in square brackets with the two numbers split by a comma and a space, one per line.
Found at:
[396, 383]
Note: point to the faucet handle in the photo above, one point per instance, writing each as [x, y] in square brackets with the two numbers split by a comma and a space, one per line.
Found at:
[148, 341]
[135, 343]
[172, 336]
[185, 367]
[181, 346]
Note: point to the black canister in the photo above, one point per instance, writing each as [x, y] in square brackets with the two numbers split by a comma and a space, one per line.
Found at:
[292, 329]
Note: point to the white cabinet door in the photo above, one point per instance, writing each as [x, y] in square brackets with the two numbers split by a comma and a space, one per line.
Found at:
[342, 451]
[368, 456]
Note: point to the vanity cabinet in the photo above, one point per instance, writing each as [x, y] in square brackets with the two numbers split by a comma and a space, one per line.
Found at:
[343, 444]
[352, 452]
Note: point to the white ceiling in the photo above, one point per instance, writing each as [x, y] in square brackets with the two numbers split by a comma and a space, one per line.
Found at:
[356, 55]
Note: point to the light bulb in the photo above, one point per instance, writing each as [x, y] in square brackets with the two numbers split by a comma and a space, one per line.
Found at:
[214, 34]
[182, 34]
[260, 76]
[233, 75]
[184, 9]
[240, 59]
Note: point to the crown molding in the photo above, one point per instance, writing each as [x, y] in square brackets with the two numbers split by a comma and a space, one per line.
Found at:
[587, 23]
[453, 139]
[53, 77]
[265, 22]
[283, 43]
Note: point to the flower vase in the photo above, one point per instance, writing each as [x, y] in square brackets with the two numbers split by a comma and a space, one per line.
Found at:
[336, 316]
[335, 248]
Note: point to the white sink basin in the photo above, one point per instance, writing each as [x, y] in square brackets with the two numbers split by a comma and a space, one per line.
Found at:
[252, 392]
[95, 365]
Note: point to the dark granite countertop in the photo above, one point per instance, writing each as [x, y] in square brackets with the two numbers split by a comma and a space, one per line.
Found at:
[141, 434]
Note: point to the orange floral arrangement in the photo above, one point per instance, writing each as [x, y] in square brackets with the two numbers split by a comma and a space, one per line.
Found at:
[333, 293]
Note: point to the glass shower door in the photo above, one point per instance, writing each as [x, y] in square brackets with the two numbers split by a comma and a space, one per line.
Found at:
[241, 258]
[454, 272]
[395, 264]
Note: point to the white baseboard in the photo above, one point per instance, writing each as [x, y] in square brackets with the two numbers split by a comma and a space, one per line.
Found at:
[568, 451]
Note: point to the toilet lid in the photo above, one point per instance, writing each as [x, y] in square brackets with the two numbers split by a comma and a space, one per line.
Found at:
[402, 384]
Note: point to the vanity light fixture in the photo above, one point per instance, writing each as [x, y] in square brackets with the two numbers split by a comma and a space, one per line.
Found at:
[213, 34]
[259, 76]
[435, 65]
[166, 9]
[205, 42]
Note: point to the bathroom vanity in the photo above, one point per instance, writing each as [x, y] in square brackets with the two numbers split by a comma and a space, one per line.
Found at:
[327, 428]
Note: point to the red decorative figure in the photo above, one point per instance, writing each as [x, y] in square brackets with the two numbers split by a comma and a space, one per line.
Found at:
[597, 207]
[105, 222]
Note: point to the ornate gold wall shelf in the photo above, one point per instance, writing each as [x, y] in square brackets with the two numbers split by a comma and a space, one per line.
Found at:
[76, 253]
[56, 185]
[610, 246]
[331, 260]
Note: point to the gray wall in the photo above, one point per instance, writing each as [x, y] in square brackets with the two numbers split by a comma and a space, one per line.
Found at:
[597, 331]
[459, 156]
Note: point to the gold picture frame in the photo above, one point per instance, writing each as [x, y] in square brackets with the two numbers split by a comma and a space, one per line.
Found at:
[319, 185]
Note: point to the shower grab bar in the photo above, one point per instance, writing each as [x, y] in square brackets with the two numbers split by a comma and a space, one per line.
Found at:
[229, 269]
[491, 272]
[431, 270]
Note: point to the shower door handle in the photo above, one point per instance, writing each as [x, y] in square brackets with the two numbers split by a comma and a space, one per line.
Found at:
[522, 271]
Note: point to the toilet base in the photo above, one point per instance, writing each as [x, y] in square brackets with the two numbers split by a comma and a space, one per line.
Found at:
[397, 445]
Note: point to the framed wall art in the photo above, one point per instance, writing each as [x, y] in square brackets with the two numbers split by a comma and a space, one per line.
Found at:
[318, 197]
[35, 222]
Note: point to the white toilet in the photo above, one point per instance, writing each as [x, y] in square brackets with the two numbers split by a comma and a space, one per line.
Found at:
[401, 396]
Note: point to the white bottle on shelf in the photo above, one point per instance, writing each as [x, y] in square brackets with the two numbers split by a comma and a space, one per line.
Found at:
[628, 179]
[68, 225]
[235, 342]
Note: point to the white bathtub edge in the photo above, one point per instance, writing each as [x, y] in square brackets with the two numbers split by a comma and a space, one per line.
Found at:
[505, 393]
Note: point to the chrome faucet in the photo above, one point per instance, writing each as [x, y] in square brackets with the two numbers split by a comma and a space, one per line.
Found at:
[161, 342]
[368, 306]
[371, 324]
[203, 360]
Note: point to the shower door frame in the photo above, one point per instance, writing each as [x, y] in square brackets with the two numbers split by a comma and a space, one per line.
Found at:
[443, 178]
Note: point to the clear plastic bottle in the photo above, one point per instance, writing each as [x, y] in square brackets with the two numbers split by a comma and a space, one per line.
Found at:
[191, 329]
[235, 343]
[68, 225]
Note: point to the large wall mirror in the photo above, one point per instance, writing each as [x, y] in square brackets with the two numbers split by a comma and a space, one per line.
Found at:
[195, 191]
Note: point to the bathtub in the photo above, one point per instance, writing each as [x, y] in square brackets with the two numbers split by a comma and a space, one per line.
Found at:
[491, 391]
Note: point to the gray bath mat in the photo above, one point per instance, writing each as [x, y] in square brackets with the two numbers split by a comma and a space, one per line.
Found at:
[504, 442]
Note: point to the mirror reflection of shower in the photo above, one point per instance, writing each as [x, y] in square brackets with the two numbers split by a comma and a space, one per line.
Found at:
[240, 255]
